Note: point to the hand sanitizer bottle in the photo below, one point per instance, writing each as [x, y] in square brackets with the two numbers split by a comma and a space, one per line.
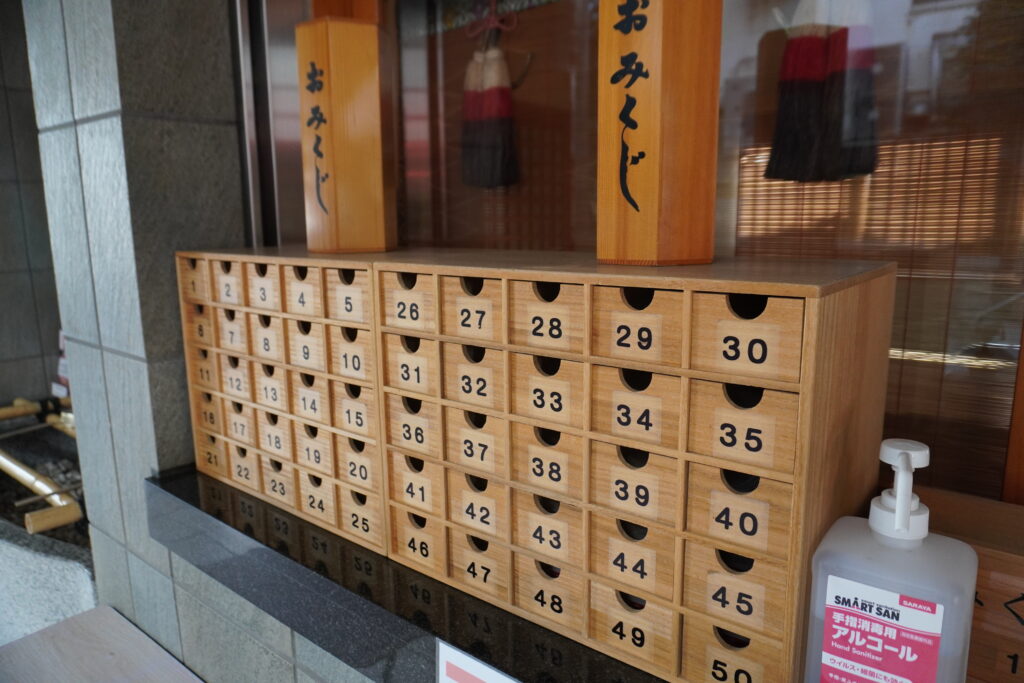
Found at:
[889, 603]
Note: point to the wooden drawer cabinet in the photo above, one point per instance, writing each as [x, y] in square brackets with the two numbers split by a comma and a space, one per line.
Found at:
[473, 308]
[263, 282]
[639, 324]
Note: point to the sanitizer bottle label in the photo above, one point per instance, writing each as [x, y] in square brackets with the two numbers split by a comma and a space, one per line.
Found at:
[877, 636]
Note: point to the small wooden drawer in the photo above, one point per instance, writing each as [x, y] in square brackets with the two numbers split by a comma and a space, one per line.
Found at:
[552, 592]
[275, 434]
[636, 405]
[747, 334]
[358, 462]
[417, 483]
[479, 564]
[208, 413]
[472, 308]
[263, 281]
[303, 291]
[751, 593]
[204, 368]
[271, 384]
[317, 497]
[311, 399]
[636, 555]
[244, 466]
[240, 422]
[234, 377]
[321, 551]
[548, 527]
[227, 282]
[355, 408]
[548, 459]
[362, 516]
[348, 294]
[314, 448]
[547, 315]
[194, 279]
[548, 389]
[267, 334]
[307, 345]
[635, 482]
[634, 626]
[476, 440]
[414, 424]
[713, 652]
[638, 324]
[419, 540]
[232, 331]
[745, 424]
[409, 301]
[211, 454]
[412, 364]
[738, 508]
[479, 504]
[199, 325]
[351, 352]
[279, 480]
[474, 375]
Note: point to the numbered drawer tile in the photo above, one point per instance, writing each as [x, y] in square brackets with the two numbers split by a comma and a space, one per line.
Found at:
[409, 301]
[199, 325]
[321, 551]
[244, 466]
[548, 527]
[194, 279]
[638, 324]
[995, 654]
[476, 440]
[412, 364]
[239, 422]
[549, 591]
[234, 377]
[358, 462]
[745, 424]
[263, 281]
[271, 387]
[742, 509]
[747, 334]
[414, 425]
[419, 540]
[351, 353]
[314, 448]
[355, 408]
[634, 626]
[317, 497]
[303, 291]
[547, 315]
[307, 344]
[227, 282]
[548, 459]
[712, 653]
[361, 516]
[207, 412]
[735, 588]
[311, 397]
[232, 331]
[474, 375]
[472, 308]
[211, 454]
[479, 504]
[283, 534]
[635, 404]
[479, 564]
[274, 434]
[639, 556]
[248, 516]
[348, 295]
[279, 480]
[548, 389]
[635, 482]
[204, 368]
[267, 334]
[417, 483]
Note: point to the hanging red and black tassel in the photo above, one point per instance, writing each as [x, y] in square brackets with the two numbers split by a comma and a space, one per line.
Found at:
[488, 131]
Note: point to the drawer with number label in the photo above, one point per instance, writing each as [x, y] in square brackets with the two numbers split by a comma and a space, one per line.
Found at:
[275, 434]
[204, 368]
[239, 422]
[208, 413]
[419, 540]
[271, 387]
[348, 294]
[635, 482]
[548, 459]
[321, 551]
[739, 508]
[361, 516]
[358, 462]
[550, 591]
[311, 397]
[244, 466]
[194, 279]
[412, 364]
[227, 282]
[267, 334]
[479, 504]
[474, 375]
[279, 480]
[303, 291]
[479, 564]
[232, 331]
[351, 353]
[199, 325]
[547, 315]
[263, 281]
[713, 652]
[548, 389]
[731, 587]
[744, 424]
[234, 377]
[635, 404]
[472, 308]
[314, 448]
[355, 408]
[414, 425]
[549, 527]
[317, 497]
[636, 555]
[211, 454]
[307, 345]
[417, 483]
[409, 301]
[747, 334]
[638, 324]
[634, 626]
[476, 440]
[248, 516]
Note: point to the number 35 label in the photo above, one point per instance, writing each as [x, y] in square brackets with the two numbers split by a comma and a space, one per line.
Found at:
[741, 434]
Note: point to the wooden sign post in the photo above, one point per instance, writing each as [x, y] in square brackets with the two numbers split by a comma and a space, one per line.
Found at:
[657, 132]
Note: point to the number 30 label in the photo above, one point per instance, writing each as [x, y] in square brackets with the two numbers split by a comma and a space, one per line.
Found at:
[750, 346]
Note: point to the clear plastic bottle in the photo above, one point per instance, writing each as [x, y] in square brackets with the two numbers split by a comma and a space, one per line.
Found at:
[889, 602]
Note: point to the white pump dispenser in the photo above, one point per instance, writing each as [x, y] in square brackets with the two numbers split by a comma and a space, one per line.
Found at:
[898, 512]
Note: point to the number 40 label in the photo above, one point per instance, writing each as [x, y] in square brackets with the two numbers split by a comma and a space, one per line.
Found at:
[739, 519]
